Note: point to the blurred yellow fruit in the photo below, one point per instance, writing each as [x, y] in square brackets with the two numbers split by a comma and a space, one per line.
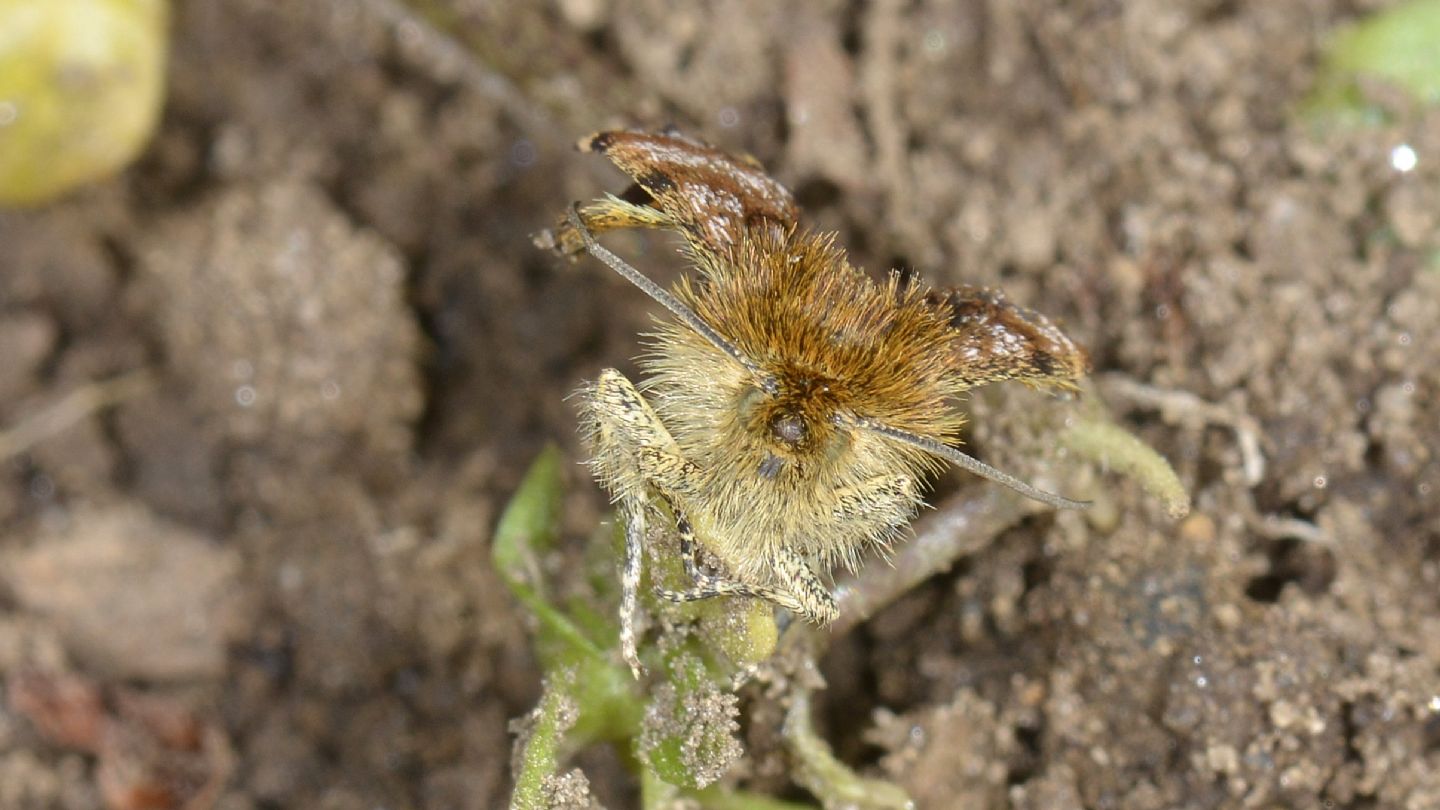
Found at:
[81, 84]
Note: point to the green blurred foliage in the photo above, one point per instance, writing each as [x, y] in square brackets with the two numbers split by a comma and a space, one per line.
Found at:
[1399, 46]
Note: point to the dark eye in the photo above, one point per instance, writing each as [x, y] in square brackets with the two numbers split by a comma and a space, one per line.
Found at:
[788, 428]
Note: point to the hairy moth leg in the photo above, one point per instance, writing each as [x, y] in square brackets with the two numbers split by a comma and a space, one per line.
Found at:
[706, 585]
[801, 591]
[610, 213]
[633, 456]
[813, 602]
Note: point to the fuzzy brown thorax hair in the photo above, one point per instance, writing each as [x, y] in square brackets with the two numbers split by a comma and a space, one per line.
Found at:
[832, 347]
[796, 306]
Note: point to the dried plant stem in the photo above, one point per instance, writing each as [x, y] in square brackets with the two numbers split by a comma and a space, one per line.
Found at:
[1277, 527]
[444, 56]
[71, 409]
[964, 524]
[420, 27]
[1185, 408]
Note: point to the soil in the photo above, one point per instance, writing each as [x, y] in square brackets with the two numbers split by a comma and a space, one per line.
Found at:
[324, 260]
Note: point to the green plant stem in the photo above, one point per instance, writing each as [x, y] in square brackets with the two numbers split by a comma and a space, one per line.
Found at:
[1113, 447]
[540, 757]
[818, 771]
[716, 799]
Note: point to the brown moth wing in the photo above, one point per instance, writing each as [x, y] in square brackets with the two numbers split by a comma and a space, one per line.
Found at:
[680, 182]
[998, 340]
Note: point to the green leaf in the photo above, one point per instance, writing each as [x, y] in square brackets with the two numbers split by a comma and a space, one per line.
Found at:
[530, 524]
[1400, 45]
[540, 744]
[690, 726]
[529, 529]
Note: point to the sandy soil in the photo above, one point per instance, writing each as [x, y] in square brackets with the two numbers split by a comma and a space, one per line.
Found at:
[354, 351]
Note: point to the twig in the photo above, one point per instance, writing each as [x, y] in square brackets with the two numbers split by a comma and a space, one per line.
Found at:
[1275, 527]
[964, 524]
[74, 407]
[1186, 408]
[446, 57]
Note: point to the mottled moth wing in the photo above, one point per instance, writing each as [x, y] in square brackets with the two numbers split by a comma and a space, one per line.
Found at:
[998, 340]
[711, 196]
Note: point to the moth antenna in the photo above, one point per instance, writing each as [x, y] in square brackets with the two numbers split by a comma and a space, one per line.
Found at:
[973, 465]
[665, 299]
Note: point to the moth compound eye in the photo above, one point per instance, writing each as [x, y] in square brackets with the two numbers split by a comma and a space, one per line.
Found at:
[788, 428]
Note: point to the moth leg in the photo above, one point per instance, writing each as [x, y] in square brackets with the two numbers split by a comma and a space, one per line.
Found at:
[618, 413]
[610, 213]
[671, 475]
[630, 585]
[801, 592]
[633, 456]
[706, 585]
[811, 599]
[632, 453]
[881, 494]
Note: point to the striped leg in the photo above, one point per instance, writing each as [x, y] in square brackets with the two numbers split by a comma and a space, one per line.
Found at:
[634, 457]
[801, 592]
[630, 585]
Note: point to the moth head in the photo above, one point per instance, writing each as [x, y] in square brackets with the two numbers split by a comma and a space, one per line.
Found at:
[798, 422]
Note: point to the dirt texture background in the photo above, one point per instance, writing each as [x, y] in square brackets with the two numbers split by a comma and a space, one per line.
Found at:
[354, 351]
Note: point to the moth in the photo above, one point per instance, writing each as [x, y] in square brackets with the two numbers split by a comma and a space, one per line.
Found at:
[792, 406]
